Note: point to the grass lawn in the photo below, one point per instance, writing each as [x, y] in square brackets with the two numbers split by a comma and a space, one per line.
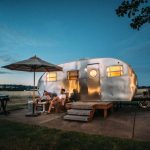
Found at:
[18, 136]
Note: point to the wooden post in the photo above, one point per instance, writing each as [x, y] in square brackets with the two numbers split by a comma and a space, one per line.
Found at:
[105, 113]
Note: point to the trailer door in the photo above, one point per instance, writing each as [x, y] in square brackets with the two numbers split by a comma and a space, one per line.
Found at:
[73, 80]
[93, 81]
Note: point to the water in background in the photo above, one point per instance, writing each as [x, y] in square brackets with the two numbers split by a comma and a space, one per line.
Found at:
[19, 96]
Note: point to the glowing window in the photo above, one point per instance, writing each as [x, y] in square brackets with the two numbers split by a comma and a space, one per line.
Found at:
[114, 71]
[93, 73]
[73, 75]
[51, 76]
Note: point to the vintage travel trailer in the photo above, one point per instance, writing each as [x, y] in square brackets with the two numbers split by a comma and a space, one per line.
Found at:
[99, 79]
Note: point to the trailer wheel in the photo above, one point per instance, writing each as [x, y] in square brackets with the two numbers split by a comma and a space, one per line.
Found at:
[144, 104]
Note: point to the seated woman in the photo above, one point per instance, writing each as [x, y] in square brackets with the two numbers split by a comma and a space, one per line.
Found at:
[45, 98]
[58, 99]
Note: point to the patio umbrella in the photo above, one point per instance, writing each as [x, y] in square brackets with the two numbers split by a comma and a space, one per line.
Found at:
[33, 64]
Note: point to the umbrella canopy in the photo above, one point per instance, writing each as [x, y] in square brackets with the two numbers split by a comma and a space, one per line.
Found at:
[33, 64]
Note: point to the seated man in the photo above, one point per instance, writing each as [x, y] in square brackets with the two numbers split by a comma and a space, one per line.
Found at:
[58, 99]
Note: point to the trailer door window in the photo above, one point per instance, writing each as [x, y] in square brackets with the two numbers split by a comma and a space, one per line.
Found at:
[93, 73]
[115, 71]
[73, 75]
[51, 76]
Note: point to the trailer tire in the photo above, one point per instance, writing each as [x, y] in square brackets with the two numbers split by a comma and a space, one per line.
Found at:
[144, 104]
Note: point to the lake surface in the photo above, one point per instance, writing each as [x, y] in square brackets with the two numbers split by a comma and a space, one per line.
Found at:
[19, 96]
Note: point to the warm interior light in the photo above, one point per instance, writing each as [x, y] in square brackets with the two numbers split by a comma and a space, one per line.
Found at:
[132, 81]
[92, 91]
[93, 73]
[73, 75]
[73, 84]
[114, 71]
[73, 78]
[51, 76]
[114, 68]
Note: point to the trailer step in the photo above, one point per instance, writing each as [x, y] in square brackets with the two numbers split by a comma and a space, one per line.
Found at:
[79, 112]
[77, 118]
[84, 107]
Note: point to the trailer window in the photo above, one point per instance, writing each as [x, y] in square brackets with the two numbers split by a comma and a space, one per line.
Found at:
[115, 71]
[51, 76]
[73, 75]
[93, 73]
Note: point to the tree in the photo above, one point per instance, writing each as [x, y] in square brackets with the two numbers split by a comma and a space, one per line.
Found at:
[137, 10]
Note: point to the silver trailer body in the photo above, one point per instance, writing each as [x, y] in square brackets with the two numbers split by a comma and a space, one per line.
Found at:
[101, 79]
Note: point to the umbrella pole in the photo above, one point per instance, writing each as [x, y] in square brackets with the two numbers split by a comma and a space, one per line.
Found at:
[34, 103]
[34, 87]
[33, 93]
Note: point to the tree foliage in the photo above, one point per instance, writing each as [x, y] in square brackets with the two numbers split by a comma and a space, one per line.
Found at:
[137, 10]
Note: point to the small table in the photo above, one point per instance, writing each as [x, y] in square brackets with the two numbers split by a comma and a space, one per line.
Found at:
[105, 106]
[4, 99]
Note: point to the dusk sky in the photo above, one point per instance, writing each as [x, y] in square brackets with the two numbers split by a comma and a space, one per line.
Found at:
[60, 31]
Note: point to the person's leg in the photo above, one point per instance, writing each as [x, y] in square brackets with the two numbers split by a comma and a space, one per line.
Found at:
[52, 104]
[63, 102]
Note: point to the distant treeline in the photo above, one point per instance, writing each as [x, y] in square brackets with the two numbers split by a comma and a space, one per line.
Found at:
[13, 87]
[143, 87]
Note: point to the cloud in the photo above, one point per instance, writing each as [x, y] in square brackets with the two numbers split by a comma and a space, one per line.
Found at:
[12, 42]
[133, 42]
[142, 69]
[5, 72]
[139, 52]
[142, 47]
[17, 39]
[6, 58]
[142, 73]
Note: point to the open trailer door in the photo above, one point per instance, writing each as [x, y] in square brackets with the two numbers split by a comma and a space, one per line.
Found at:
[73, 80]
